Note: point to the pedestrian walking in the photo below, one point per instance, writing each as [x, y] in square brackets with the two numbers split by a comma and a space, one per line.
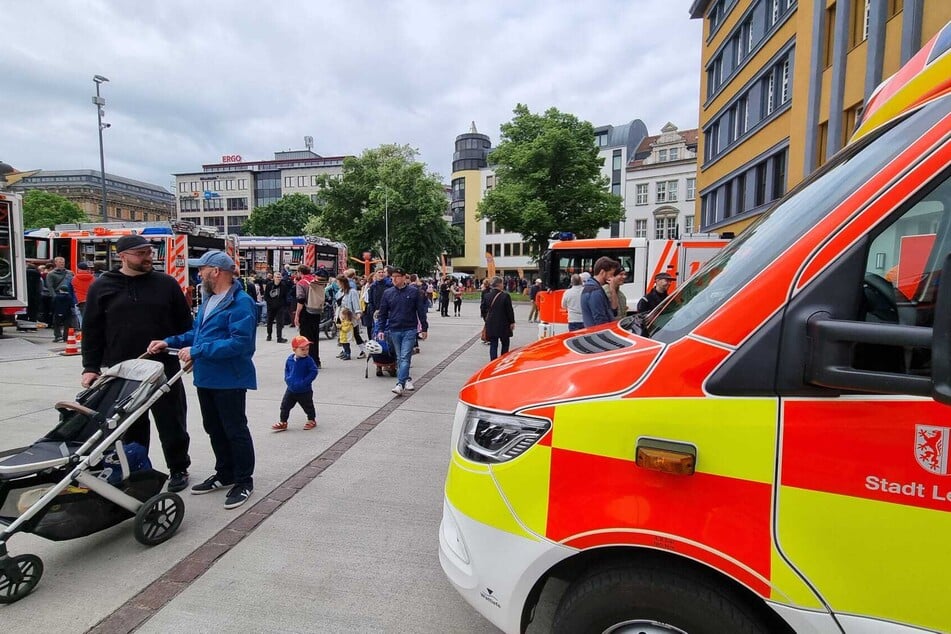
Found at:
[82, 280]
[310, 305]
[403, 316]
[499, 318]
[275, 296]
[571, 302]
[457, 299]
[595, 305]
[221, 347]
[125, 310]
[299, 374]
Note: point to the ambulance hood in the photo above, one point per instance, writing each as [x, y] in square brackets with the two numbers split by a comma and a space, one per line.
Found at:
[583, 364]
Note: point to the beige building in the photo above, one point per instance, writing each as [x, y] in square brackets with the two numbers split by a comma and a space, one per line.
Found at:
[126, 199]
[223, 194]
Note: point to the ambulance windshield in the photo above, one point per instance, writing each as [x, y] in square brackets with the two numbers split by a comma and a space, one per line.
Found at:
[787, 221]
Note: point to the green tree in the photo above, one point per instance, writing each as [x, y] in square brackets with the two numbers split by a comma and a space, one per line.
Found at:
[284, 217]
[46, 209]
[548, 179]
[388, 182]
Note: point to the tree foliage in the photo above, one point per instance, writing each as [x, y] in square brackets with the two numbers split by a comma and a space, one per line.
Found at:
[46, 209]
[285, 217]
[548, 179]
[384, 182]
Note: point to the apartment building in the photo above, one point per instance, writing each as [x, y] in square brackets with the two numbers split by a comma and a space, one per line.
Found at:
[223, 194]
[783, 84]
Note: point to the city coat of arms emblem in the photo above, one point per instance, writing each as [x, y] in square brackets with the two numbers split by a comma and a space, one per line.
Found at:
[931, 448]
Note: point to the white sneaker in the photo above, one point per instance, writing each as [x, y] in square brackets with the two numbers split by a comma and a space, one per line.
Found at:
[398, 390]
[409, 385]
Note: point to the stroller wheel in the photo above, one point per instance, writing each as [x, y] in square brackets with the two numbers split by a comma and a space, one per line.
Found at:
[391, 371]
[158, 518]
[18, 576]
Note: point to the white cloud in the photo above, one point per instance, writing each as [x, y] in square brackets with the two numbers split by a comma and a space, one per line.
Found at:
[193, 81]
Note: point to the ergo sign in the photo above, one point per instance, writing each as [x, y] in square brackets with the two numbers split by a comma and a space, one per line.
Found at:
[231, 158]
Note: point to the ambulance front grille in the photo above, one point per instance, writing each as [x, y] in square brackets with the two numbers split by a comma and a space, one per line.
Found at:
[601, 341]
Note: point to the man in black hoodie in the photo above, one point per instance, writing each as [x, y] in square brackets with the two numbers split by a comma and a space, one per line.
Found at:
[125, 310]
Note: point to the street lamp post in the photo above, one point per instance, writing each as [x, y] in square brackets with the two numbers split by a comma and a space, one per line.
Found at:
[386, 219]
[100, 104]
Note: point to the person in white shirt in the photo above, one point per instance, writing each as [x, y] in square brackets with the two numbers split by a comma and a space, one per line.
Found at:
[571, 301]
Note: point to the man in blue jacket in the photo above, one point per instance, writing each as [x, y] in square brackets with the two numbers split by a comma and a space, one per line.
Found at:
[595, 305]
[403, 313]
[220, 346]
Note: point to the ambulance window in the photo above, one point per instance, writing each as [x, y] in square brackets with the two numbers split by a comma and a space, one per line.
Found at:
[902, 271]
[904, 260]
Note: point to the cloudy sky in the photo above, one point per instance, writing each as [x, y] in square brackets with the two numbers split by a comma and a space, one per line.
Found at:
[192, 81]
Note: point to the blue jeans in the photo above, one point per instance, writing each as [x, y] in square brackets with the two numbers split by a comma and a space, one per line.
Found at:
[223, 416]
[403, 341]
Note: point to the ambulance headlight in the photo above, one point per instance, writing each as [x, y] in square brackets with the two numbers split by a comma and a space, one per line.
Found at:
[491, 437]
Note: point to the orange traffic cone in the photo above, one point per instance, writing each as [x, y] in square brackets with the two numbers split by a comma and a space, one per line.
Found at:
[71, 348]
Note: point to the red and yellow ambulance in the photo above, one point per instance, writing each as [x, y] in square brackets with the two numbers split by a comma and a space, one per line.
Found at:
[769, 451]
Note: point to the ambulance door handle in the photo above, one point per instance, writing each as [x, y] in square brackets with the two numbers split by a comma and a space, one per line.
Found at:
[677, 458]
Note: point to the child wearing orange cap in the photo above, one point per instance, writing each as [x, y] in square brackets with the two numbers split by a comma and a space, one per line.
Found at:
[300, 370]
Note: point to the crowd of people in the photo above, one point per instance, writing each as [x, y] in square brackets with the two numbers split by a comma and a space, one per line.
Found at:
[134, 309]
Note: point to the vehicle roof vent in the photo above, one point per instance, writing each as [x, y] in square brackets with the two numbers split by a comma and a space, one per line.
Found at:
[596, 342]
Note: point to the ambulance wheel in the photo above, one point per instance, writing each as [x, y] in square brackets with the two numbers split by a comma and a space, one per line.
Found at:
[158, 518]
[651, 599]
[18, 576]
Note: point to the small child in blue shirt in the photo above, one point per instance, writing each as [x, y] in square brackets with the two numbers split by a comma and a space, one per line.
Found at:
[300, 370]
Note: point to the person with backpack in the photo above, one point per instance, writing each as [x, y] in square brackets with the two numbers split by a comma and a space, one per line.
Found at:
[310, 304]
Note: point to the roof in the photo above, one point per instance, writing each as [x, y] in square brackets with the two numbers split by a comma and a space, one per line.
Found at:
[93, 174]
[644, 150]
[698, 8]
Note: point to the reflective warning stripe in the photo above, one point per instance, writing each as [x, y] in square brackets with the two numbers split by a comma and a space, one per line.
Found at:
[177, 265]
[310, 256]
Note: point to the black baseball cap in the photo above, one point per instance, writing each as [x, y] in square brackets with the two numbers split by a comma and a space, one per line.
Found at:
[131, 242]
[664, 276]
[397, 271]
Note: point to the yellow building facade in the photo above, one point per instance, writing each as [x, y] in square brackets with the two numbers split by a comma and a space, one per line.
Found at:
[783, 84]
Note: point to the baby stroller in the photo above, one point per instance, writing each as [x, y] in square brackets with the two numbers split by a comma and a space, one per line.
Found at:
[328, 321]
[381, 352]
[60, 487]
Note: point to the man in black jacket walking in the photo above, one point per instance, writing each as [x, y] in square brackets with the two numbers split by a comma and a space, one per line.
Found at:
[125, 310]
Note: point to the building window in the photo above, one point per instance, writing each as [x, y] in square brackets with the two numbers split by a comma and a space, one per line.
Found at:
[616, 161]
[691, 189]
[759, 195]
[640, 228]
[661, 156]
[666, 192]
[288, 181]
[640, 194]
[779, 175]
[673, 154]
[214, 204]
[829, 40]
[822, 143]
[851, 119]
[859, 26]
[688, 224]
[665, 227]
[489, 182]
[507, 249]
[218, 222]
[601, 139]
[300, 181]
[237, 204]
[206, 186]
[616, 189]
[181, 187]
[313, 181]
[242, 183]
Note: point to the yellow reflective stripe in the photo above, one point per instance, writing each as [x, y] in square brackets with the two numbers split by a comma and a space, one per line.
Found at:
[471, 489]
[900, 550]
[734, 437]
[524, 481]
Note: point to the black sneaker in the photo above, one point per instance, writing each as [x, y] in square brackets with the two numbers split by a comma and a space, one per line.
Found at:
[237, 496]
[279, 340]
[209, 485]
[178, 481]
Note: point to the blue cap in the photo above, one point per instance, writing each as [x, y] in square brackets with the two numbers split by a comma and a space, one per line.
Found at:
[217, 259]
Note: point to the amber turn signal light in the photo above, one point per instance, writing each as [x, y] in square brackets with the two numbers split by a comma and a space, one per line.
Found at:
[666, 460]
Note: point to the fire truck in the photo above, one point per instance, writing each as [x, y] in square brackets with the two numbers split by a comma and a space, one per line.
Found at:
[260, 254]
[174, 244]
[13, 297]
[640, 258]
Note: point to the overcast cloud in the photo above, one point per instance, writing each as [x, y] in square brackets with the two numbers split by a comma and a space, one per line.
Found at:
[192, 81]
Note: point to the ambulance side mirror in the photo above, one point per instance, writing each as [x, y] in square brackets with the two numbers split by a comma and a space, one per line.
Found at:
[941, 338]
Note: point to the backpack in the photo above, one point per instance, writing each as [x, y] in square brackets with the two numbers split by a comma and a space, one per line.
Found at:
[315, 297]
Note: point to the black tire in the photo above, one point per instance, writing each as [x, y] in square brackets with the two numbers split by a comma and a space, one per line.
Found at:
[158, 518]
[652, 599]
[18, 576]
